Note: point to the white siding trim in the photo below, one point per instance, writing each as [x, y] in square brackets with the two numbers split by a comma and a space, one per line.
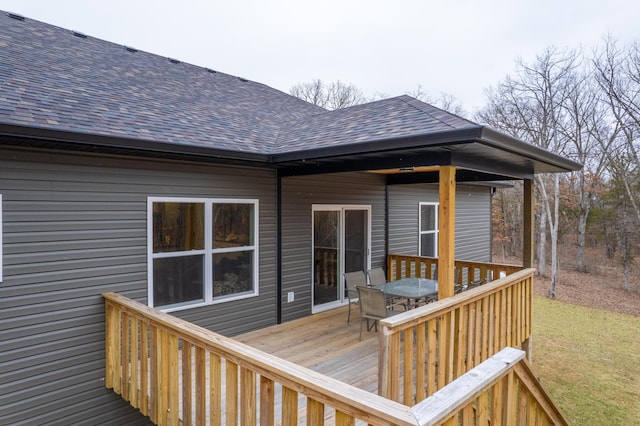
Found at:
[1, 245]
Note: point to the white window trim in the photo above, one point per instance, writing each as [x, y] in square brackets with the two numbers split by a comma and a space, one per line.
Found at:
[1, 244]
[208, 251]
[421, 232]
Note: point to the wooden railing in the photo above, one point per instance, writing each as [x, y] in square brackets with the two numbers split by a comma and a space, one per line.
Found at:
[401, 266]
[176, 372]
[424, 349]
[500, 391]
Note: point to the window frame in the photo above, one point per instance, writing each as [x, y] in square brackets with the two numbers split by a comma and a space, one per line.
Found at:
[207, 252]
[434, 231]
[1, 242]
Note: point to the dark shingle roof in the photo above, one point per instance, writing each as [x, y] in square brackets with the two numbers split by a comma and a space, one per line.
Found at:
[66, 90]
[53, 79]
[399, 117]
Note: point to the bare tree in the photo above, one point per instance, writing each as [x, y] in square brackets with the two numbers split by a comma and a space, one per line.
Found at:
[445, 101]
[583, 126]
[334, 95]
[618, 75]
[530, 106]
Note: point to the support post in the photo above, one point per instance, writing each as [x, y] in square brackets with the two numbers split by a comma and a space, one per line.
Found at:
[527, 223]
[528, 243]
[446, 231]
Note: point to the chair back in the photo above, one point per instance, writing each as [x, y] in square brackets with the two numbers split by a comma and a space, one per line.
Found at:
[376, 276]
[353, 280]
[476, 283]
[372, 303]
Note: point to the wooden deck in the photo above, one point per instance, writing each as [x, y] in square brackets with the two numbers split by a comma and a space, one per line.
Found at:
[324, 343]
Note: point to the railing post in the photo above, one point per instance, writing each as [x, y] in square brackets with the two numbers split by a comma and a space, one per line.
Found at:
[112, 345]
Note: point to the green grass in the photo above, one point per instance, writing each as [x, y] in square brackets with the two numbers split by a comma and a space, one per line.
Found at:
[589, 361]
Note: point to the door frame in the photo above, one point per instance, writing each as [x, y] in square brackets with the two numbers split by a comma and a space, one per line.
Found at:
[341, 208]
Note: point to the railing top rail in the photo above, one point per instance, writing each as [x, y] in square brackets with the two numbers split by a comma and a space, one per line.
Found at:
[349, 399]
[454, 396]
[433, 310]
[498, 265]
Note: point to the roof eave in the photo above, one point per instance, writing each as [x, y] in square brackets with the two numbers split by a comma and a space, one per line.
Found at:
[381, 145]
[77, 141]
[505, 142]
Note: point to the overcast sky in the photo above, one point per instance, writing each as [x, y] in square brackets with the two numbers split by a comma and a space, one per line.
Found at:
[390, 47]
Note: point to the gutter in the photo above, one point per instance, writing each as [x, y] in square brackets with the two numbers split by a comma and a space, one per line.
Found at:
[75, 141]
[508, 143]
[448, 138]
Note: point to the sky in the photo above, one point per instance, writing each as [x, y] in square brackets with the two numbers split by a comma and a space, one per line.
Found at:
[383, 47]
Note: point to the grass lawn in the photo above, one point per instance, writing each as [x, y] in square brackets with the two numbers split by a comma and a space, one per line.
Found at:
[589, 361]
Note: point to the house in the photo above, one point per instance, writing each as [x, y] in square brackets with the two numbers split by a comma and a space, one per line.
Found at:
[220, 200]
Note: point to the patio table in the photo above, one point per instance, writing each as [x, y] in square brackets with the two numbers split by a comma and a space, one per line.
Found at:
[411, 288]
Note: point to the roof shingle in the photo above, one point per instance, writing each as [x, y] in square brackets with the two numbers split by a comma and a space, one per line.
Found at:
[50, 78]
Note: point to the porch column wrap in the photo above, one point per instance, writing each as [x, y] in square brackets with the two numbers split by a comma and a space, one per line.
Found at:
[446, 231]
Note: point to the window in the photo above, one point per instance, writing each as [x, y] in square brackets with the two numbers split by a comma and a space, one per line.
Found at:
[428, 244]
[201, 251]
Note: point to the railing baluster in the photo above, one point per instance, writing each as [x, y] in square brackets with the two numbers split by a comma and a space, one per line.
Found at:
[231, 393]
[315, 412]
[420, 361]
[289, 407]
[134, 359]
[215, 391]
[248, 405]
[124, 377]
[407, 368]
[343, 419]
[187, 381]
[154, 370]
[144, 368]
[394, 365]
[200, 384]
[433, 366]
[267, 402]
[172, 371]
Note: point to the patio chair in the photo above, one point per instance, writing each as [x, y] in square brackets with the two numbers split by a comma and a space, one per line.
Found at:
[376, 276]
[476, 283]
[373, 306]
[351, 281]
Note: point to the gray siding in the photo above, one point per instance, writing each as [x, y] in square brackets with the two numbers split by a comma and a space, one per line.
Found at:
[299, 194]
[75, 227]
[473, 219]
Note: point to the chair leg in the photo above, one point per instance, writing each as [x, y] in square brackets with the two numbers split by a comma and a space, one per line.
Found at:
[349, 316]
[361, 321]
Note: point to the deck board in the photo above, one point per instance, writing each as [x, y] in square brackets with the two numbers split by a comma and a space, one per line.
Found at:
[324, 343]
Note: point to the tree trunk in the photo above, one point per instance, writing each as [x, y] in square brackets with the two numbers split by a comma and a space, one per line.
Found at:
[542, 245]
[582, 237]
[626, 259]
[554, 236]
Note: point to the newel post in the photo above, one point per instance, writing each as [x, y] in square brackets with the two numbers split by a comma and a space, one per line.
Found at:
[446, 232]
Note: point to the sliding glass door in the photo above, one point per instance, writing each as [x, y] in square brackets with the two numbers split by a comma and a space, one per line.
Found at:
[341, 243]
